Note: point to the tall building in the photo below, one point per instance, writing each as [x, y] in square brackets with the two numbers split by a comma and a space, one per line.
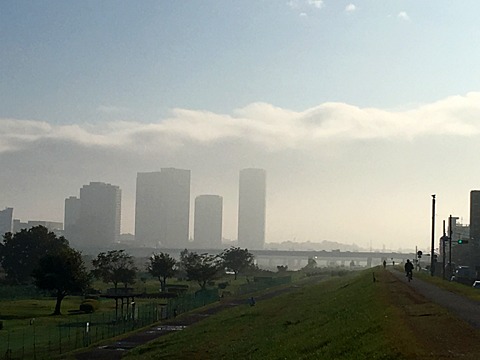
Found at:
[162, 208]
[6, 221]
[93, 220]
[475, 216]
[71, 217]
[207, 231]
[251, 209]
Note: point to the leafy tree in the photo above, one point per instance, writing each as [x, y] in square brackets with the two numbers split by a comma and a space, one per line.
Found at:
[237, 260]
[162, 266]
[115, 266]
[312, 264]
[201, 268]
[62, 272]
[22, 251]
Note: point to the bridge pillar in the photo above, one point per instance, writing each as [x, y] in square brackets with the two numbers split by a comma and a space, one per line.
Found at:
[369, 262]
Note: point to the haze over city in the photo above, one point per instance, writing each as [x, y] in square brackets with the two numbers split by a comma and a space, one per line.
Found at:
[358, 111]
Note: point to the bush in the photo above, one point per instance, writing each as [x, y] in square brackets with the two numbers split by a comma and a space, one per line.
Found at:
[223, 285]
[89, 306]
[1, 324]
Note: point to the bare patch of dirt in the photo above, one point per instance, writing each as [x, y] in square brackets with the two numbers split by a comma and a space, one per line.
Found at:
[437, 333]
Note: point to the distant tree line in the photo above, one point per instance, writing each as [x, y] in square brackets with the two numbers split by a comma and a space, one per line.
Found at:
[38, 256]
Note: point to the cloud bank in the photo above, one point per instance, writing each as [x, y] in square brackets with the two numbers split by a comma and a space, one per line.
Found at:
[272, 128]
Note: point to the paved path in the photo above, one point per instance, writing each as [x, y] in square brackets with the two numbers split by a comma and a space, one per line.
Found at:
[466, 309]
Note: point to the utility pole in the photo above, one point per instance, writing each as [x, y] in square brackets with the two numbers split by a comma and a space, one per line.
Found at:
[450, 234]
[444, 240]
[432, 254]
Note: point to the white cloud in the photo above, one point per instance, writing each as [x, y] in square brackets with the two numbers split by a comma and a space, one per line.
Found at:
[259, 123]
[350, 8]
[402, 15]
[303, 14]
[316, 3]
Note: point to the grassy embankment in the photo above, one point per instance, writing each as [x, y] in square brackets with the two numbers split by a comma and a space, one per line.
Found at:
[343, 318]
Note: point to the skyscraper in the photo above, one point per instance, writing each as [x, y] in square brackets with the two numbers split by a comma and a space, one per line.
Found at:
[162, 208]
[6, 221]
[71, 217]
[94, 219]
[251, 209]
[475, 216]
[207, 231]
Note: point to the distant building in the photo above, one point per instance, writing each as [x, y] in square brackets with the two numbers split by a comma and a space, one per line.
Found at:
[53, 226]
[459, 231]
[71, 216]
[93, 220]
[207, 231]
[251, 209]
[475, 216]
[162, 208]
[6, 221]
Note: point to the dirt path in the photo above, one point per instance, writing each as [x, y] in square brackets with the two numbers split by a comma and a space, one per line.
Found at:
[466, 309]
[442, 325]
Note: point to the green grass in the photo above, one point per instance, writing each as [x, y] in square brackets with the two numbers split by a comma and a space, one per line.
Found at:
[343, 318]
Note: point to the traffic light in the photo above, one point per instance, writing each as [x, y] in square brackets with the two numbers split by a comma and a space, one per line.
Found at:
[419, 254]
[461, 241]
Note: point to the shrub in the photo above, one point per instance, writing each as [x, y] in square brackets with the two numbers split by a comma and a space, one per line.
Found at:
[223, 285]
[89, 306]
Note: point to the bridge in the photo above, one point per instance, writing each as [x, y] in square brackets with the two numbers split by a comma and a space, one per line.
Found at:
[296, 259]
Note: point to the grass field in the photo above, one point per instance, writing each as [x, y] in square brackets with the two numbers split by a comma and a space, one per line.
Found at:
[29, 327]
[349, 317]
[344, 318]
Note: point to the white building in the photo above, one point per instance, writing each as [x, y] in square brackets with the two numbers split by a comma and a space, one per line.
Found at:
[251, 209]
[207, 231]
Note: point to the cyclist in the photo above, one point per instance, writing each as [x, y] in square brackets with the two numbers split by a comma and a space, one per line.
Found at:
[409, 269]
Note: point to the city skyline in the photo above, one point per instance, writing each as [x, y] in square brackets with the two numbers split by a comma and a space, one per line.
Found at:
[357, 110]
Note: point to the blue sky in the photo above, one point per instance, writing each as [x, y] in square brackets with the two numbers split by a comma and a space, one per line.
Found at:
[327, 96]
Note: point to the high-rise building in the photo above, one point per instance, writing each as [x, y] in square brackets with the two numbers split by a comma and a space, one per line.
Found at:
[162, 208]
[71, 217]
[251, 209]
[207, 231]
[93, 220]
[475, 216]
[6, 221]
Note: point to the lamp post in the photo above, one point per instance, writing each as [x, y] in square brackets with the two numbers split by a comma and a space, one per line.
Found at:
[432, 254]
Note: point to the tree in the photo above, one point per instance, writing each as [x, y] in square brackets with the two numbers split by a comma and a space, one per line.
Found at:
[237, 260]
[201, 268]
[22, 251]
[115, 266]
[62, 272]
[162, 266]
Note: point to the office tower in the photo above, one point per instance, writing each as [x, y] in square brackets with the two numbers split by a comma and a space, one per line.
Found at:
[71, 217]
[251, 209]
[6, 221]
[94, 219]
[207, 231]
[475, 216]
[162, 208]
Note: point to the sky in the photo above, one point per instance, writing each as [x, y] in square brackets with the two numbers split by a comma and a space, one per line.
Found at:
[358, 111]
